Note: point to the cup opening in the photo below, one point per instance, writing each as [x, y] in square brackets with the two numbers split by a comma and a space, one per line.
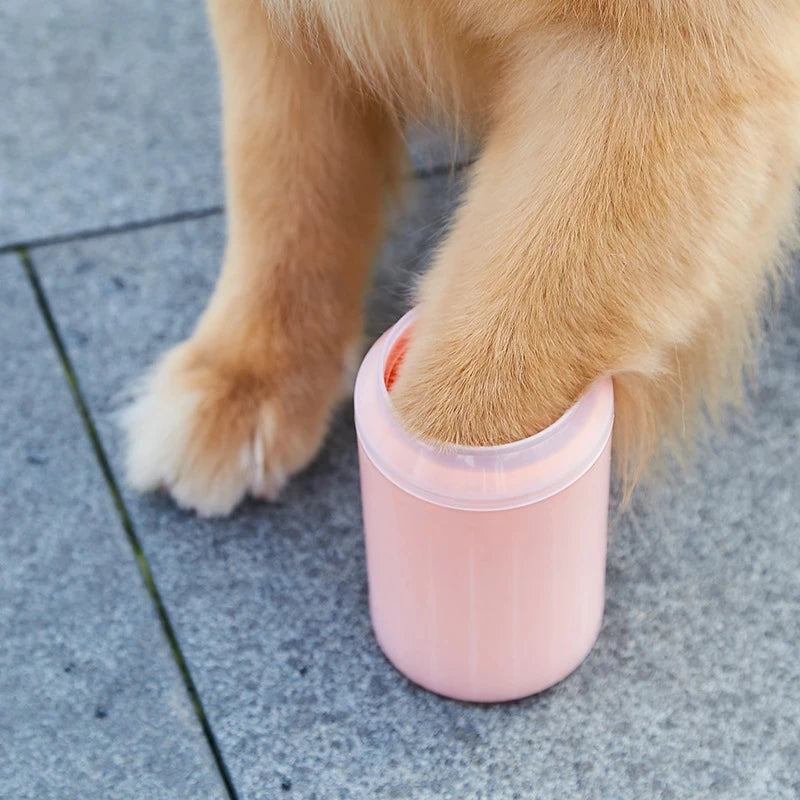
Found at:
[395, 357]
[477, 478]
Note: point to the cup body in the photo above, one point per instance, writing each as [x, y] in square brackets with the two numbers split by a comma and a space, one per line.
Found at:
[485, 566]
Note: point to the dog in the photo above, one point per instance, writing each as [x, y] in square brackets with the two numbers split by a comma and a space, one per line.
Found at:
[631, 207]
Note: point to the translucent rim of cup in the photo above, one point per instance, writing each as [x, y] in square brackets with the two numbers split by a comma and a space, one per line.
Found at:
[492, 459]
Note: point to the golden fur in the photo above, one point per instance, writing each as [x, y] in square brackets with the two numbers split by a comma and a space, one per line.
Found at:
[636, 187]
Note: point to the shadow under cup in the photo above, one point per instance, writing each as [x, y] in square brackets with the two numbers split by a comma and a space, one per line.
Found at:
[486, 565]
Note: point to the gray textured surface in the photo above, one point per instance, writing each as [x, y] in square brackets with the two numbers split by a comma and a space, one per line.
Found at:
[692, 690]
[110, 115]
[91, 703]
[437, 149]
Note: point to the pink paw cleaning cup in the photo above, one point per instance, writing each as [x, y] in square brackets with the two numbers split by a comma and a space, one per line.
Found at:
[486, 565]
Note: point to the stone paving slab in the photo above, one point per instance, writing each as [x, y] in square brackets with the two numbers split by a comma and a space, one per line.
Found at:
[692, 690]
[91, 702]
[111, 115]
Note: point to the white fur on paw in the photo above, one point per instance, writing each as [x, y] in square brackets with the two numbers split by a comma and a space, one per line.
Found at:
[162, 451]
[263, 482]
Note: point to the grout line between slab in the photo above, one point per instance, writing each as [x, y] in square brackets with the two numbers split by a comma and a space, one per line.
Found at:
[111, 230]
[422, 174]
[440, 170]
[125, 519]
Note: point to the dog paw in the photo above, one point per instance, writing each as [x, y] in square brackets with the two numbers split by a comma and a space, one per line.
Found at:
[210, 433]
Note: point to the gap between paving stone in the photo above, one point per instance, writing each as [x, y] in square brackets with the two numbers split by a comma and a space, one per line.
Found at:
[111, 230]
[125, 519]
[421, 174]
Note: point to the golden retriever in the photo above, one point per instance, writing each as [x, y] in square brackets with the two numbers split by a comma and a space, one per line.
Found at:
[634, 194]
